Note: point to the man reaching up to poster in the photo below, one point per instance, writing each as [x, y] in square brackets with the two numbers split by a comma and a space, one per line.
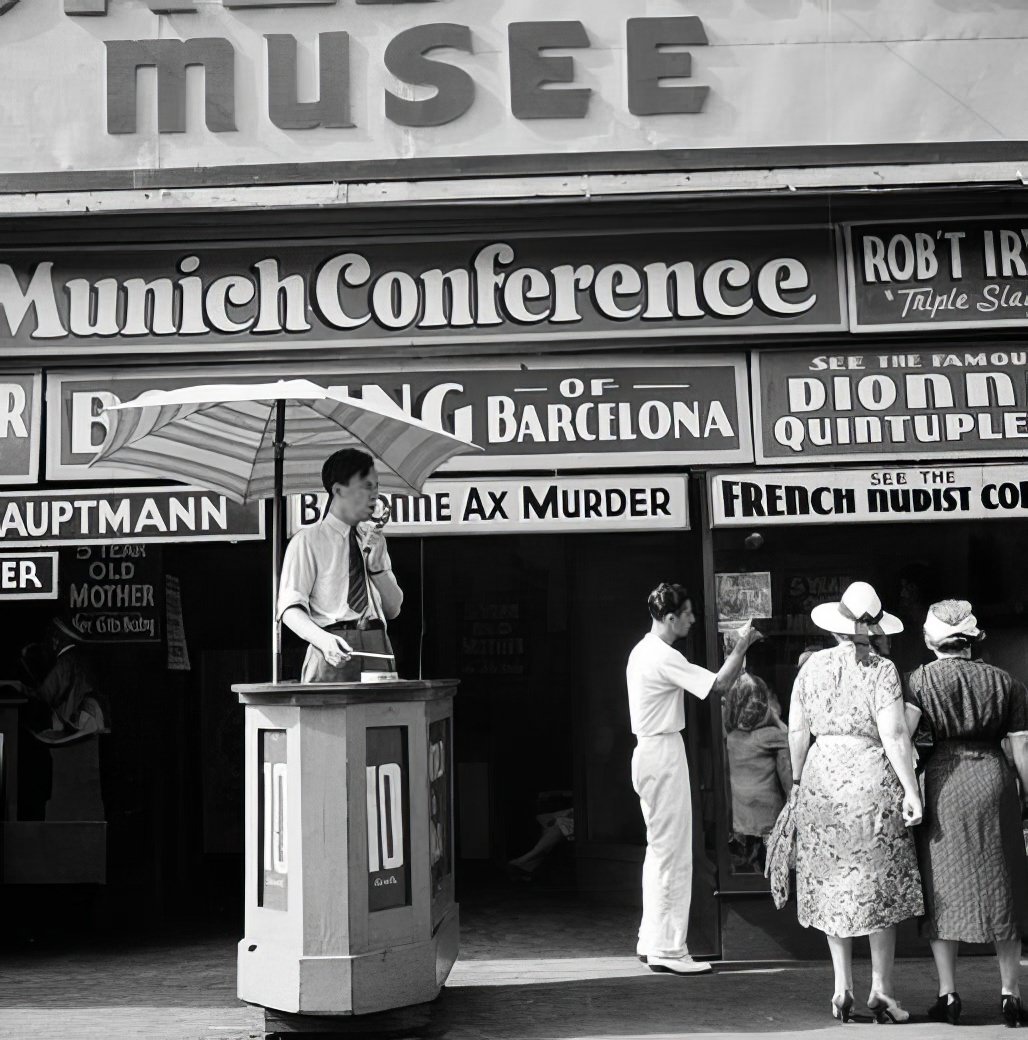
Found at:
[337, 588]
[656, 675]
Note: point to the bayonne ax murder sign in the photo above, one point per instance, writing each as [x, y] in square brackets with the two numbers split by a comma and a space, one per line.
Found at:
[348, 293]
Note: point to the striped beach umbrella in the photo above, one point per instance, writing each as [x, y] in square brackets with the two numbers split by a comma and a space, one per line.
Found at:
[268, 440]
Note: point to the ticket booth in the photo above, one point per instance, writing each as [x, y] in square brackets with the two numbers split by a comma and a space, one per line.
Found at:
[349, 845]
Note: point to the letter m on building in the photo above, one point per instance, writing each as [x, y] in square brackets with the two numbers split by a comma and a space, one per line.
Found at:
[171, 58]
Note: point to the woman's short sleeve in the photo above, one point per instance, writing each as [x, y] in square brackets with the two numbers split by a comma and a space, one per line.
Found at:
[888, 688]
[1017, 715]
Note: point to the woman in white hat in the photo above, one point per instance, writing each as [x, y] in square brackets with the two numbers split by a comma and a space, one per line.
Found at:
[971, 848]
[856, 868]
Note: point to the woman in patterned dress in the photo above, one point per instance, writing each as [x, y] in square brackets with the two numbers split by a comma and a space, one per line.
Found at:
[856, 868]
[972, 827]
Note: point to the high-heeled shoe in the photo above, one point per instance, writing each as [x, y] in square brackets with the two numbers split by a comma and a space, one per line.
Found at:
[1013, 1012]
[946, 1009]
[842, 1007]
[885, 1010]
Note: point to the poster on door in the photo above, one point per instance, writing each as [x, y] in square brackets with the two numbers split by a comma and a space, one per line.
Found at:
[439, 822]
[388, 810]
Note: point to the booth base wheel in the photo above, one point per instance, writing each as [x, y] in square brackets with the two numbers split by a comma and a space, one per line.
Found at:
[400, 1022]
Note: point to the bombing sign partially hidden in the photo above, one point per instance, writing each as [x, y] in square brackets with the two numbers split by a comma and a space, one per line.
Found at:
[20, 420]
[599, 412]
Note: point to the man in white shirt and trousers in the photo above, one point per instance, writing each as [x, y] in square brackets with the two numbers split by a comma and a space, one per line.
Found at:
[656, 675]
[337, 589]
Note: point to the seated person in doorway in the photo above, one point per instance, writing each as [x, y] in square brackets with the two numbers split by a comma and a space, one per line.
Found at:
[558, 827]
[759, 767]
[337, 589]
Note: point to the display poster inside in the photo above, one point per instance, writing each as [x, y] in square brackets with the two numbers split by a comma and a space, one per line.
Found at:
[388, 811]
[440, 824]
[946, 401]
[327, 295]
[178, 650]
[886, 495]
[20, 421]
[113, 593]
[941, 274]
[28, 575]
[272, 819]
[602, 412]
[636, 502]
[101, 516]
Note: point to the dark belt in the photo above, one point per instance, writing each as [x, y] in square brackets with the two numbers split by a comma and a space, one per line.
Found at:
[363, 625]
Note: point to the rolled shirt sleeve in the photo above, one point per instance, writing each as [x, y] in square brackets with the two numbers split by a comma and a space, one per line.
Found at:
[299, 571]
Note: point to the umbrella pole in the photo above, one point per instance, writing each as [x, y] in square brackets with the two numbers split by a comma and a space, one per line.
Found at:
[278, 526]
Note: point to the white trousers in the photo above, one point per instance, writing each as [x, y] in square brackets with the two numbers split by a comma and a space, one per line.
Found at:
[660, 775]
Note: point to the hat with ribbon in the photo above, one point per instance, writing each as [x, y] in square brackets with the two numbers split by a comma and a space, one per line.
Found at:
[859, 612]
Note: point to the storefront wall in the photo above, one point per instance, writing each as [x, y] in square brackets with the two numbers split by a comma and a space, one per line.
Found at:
[605, 357]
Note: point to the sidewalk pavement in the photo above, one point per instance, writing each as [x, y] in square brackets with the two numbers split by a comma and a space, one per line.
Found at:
[186, 991]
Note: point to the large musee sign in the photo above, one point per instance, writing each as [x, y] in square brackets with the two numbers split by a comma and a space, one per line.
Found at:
[240, 91]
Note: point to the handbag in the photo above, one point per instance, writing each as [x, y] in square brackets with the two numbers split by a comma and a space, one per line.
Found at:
[781, 851]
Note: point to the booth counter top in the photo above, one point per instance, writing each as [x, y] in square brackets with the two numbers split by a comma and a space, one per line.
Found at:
[310, 694]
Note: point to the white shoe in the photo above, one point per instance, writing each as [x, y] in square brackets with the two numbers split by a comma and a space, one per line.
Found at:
[678, 965]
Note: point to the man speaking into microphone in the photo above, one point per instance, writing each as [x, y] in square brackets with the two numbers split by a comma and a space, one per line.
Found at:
[337, 589]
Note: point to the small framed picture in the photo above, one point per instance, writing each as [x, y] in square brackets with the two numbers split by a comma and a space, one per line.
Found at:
[742, 597]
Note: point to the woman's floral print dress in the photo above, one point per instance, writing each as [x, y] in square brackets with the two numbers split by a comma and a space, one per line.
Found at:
[856, 867]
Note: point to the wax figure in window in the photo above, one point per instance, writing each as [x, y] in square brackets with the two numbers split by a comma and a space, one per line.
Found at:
[657, 675]
[65, 682]
[970, 847]
[856, 868]
[337, 589]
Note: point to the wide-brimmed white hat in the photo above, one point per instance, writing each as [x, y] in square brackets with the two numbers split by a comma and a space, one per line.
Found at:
[859, 612]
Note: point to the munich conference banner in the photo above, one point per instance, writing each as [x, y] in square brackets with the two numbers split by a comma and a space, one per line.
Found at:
[938, 274]
[886, 495]
[333, 293]
[890, 403]
[594, 413]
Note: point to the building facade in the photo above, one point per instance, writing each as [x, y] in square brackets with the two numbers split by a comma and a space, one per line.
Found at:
[726, 299]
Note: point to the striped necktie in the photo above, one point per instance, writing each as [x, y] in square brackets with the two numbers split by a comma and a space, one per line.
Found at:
[358, 589]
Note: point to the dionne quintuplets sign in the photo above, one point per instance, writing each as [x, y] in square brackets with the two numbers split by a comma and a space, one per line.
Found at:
[887, 403]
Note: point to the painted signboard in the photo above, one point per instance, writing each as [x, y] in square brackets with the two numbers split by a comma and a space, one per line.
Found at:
[938, 274]
[104, 516]
[886, 495]
[112, 593]
[28, 575]
[599, 413]
[20, 421]
[327, 294]
[636, 502]
[388, 811]
[363, 89]
[889, 403]
[273, 818]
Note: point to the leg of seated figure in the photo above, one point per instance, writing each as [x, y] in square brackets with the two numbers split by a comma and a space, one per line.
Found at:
[549, 840]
